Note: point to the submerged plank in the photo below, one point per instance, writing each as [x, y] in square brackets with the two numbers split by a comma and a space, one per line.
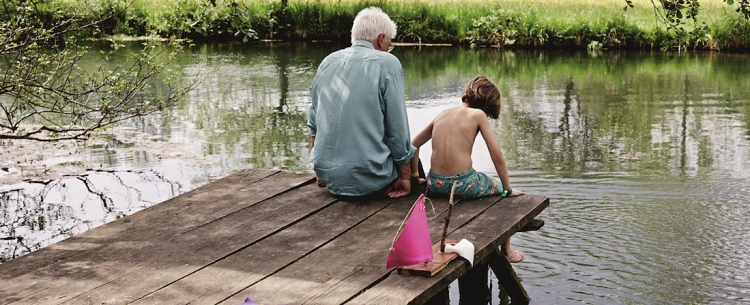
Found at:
[128, 244]
[488, 231]
[507, 278]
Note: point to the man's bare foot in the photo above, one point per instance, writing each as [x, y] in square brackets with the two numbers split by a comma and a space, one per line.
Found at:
[514, 256]
[320, 183]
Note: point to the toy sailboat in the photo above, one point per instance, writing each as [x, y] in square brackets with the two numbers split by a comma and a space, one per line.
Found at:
[412, 250]
[413, 245]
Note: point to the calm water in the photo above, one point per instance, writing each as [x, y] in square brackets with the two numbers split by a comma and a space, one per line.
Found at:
[645, 158]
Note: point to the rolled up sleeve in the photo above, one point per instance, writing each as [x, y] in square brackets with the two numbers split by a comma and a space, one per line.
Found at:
[397, 136]
[311, 114]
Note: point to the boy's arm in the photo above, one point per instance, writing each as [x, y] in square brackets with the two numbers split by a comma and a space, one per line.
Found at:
[419, 140]
[495, 153]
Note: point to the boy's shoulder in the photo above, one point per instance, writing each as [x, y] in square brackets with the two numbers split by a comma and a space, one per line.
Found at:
[459, 115]
[462, 110]
[472, 113]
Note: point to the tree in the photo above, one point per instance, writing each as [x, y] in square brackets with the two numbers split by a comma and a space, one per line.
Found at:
[674, 14]
[675, 11]
[46, 95]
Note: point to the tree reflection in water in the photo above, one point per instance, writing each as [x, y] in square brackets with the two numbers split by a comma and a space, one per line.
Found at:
[38, 213]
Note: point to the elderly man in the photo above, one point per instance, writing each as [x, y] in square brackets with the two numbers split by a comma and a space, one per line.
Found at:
[358, 123]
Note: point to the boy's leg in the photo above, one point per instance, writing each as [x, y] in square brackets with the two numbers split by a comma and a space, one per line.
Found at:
[513, 256]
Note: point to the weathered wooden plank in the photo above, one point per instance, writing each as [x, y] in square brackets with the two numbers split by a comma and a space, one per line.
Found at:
[130, 239]
[205, 258]
[58, 252]
[300, 281]
[442, 298]
[240, 270]
[488, 231]
[351, 263]
[211, 243]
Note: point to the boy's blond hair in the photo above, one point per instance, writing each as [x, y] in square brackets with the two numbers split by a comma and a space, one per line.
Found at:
[482, 94]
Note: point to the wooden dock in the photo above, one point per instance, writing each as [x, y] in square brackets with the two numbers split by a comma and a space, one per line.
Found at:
[273, 236]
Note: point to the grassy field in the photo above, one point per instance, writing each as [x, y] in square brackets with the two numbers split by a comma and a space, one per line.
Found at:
[507, 23]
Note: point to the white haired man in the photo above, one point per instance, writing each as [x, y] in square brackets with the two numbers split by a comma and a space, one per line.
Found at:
[357, 120]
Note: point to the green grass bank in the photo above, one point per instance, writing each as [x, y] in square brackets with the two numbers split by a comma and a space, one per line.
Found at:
[501, 23]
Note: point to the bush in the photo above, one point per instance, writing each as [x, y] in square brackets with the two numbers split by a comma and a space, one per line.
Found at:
[529, 25]
[499, 28]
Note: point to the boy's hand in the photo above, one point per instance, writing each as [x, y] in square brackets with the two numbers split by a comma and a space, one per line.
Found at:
[399, 188]
[516, 192]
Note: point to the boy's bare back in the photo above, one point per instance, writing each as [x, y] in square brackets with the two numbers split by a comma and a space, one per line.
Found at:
[454, 130]
[453, 133]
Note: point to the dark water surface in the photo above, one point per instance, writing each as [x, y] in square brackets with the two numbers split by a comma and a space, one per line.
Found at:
[645, 158]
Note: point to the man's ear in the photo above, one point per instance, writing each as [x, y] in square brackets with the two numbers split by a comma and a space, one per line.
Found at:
[381, 42]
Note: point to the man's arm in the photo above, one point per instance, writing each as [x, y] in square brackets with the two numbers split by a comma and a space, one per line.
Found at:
[397, 136]
[402, 185]
[317, 180]
[311, 112]
[396, 122]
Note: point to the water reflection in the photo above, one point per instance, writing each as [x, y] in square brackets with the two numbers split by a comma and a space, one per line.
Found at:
[645, 156]
[37, 213]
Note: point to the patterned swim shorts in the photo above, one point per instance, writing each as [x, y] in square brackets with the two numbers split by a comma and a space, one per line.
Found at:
[469, 184]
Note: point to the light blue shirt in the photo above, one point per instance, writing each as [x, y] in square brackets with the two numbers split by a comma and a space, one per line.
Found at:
[358, 118]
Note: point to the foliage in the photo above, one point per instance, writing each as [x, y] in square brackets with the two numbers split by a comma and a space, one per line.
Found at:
[499, 28]
[675, 14]
[732, 34]
[190, 19]
[680, 24]
[48, 93]
[313, 19]
[423, 23]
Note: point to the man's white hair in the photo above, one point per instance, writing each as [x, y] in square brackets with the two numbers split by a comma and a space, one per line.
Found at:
[370, 23]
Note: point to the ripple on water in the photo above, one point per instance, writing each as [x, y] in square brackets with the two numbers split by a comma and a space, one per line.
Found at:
[611, 240]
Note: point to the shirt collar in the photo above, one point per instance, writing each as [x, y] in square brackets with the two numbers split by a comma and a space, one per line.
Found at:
[363, 43]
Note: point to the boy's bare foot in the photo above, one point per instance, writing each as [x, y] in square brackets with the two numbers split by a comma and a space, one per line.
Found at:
[514, 256]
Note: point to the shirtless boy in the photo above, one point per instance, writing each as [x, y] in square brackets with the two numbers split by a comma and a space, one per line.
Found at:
[453, 133]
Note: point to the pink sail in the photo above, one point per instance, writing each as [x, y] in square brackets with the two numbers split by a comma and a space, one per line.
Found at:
[414, 245]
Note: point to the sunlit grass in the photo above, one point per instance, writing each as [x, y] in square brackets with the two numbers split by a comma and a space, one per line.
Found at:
[547, 11]
[552, 23]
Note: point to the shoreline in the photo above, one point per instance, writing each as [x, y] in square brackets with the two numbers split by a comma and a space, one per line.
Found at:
[512, 24]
